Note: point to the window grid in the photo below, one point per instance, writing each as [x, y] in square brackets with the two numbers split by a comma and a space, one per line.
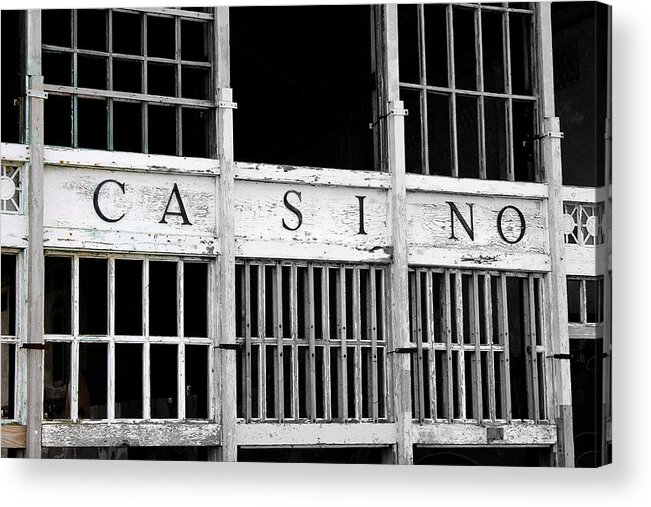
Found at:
[583, 223]
[336, 341]
[461, 334]
[142, 97]
[454, 92]
[11, 188]
[75, 339]
[582, 304]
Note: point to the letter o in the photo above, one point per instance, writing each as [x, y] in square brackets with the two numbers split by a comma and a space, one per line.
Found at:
[523, 224]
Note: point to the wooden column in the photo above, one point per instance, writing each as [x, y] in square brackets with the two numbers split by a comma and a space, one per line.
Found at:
[33, 347]
[399, 296]
[557, 308]
[225, 228]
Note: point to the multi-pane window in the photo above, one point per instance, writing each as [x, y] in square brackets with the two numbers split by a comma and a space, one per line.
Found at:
[585, 299]
[134, 80]
[127, 338]
[583, 223]
[11, 188]
[8, 336]
[313, 341]
[467, 80]
[478, 341]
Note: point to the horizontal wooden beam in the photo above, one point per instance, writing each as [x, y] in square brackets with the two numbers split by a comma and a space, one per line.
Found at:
[585, 331]
[311, 176]
[136, 434]
[475, 434]
[585, 260]
[469, 186]
[275, 434]
[13, 436]
[583, 194]
[478, 258]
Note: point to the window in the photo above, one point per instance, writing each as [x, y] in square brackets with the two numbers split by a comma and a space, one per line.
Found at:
[12, 76]
[8, 336]
[313, 341]
[136, 80]
[467, 80]
[303, 81]
[585, 299]
[583, 223]
[478, 341]
[127, 338]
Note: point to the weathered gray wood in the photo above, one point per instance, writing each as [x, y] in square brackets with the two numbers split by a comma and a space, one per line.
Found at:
[557, 307]
[35, 263]
[399, 307]
[474, 434]
[224, 95]
[136, 434]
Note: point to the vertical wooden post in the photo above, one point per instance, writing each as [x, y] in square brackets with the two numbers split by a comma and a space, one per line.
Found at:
[225, 228]
[35, 263]
[557, 308]
[399, 292]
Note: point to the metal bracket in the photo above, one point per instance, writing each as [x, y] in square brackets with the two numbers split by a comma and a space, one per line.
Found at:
[223, 104]
[36, 95]
[404, 350]
[229, 346]
[33, 346]
[551, 134]
[392, 112]
[561, 356]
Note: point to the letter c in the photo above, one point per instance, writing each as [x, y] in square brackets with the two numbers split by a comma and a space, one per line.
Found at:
[96, 201]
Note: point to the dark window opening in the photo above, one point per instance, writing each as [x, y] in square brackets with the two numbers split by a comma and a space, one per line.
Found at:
[188, 453]
[460, 456]
[8, 295]
[56, 382]
[350, 455]
[58, 295]
[93, 371]
[162, 299]
[128, 297]
[195, 299]
[580, 36]
[91, 122]
[303, 89]
[93, 296]
[12, 76]
[164, 391]
[128, 380]
[8, 381]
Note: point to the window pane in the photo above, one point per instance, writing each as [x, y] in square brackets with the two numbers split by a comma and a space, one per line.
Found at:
[127, 76]
[164, 395]
[413, 136]
[128, 297]
[468, 136]
[493, 51]
[196, 382]
[12, 75]
[161, 79]
[162, 299]
[56, 393]
[194, 40]
[408, 46]
[464, 49]
[91, 72]
[93, 364]
[195, 299]
[91, 123]
[58, 121]
[126, 33]
[574, 300]
[496, 146]
[195, 83]
[439, 132]
[8, 381]
[436, 45]
[591, 300]
[162, 130]
[56, 25]
[58, 295]
[93, 296]
[161, 41]
[520, 29]
[128, 380]
[8, 316]
[57, 68]
[523, 149]
[195, 132]
[91, 29]
[127, 126]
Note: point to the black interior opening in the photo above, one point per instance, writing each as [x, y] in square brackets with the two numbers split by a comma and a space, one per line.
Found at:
[303, 88]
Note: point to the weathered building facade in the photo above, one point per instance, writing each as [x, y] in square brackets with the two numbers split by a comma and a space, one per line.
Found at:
[353, 233]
